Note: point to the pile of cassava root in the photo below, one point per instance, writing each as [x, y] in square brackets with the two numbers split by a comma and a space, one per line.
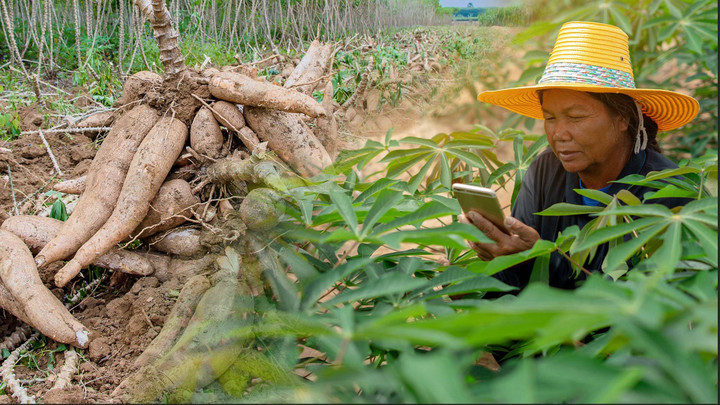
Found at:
[192, 164]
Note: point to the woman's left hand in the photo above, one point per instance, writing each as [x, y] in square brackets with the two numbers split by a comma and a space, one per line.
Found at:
[522, 236]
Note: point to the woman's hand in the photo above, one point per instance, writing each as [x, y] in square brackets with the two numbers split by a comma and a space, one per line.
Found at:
[522, 237]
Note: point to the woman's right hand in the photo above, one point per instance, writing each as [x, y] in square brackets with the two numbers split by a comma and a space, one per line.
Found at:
[522, 236]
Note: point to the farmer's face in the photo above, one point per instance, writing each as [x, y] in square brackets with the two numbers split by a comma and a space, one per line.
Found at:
[585, 136]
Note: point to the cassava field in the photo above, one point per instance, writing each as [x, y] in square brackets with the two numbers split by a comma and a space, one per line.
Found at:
[248, 201]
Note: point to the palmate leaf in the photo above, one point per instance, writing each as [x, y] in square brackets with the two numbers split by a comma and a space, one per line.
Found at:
[666, 257]
[427, 211]
[315, 288]
[343, 203]
[685, 369]
[561, 209]
[374, 188]
[707, 238]
[385, 201]
[621, 253]
[588, 380]
[454, 235]
[537, 311]
[299, 264]
[541, 248]
[434, 377]
[479, 283]
[359, 157]
[596, 195]
[388, 284]
[602, 235]
[657, 210]
[441, 154]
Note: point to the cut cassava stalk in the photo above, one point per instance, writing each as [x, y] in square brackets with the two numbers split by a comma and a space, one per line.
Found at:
[37, 231]
[234, 170]
[34, 302]
[241, 89]
[364, 80]
[312, 67]
[290, 138]
[63, 381]
[104, 182]
[7, 375]
[159, 16]
[19, 335]
[326, 128]
[149, 167]
[206, 136]
[75, 186]
[67, 371]
[175, 322]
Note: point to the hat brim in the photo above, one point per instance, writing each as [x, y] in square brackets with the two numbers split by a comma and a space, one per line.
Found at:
[669, 109]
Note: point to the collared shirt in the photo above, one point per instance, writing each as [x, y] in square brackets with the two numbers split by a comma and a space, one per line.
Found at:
[546, 183]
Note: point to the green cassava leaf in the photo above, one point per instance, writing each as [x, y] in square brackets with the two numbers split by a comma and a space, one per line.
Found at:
[343, 204]
[560, 209]
[390, 283]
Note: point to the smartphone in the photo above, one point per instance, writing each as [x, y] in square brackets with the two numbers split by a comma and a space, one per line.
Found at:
[482, 200]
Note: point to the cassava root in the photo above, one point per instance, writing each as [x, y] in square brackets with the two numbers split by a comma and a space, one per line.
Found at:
[148, 168]
[238, 88]
[103, 184]
[27, 298]
[37, 231]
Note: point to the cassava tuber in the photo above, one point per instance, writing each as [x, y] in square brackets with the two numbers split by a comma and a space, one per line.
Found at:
[33, 302]
[104, 181]
[149, 167]
[238, 88]
[37, 231]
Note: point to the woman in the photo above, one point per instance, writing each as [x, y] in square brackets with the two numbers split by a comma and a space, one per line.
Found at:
[600, 128]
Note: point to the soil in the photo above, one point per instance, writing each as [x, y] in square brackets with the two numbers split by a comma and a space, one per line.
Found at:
[31, 169]
[126, 312]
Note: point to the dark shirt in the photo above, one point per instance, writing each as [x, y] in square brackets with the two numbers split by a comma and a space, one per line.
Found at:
[546, 183]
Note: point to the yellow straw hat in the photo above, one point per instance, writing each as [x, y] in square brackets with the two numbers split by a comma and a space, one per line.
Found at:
[594, 57]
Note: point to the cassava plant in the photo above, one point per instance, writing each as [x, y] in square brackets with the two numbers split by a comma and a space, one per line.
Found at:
[376, 278]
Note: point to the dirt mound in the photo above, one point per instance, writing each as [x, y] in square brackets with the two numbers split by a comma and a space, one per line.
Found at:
[30, 118]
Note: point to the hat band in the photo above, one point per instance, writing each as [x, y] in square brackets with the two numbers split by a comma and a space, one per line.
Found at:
[586, 74]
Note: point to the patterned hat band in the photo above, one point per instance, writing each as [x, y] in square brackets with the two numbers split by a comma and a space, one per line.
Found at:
[587, 74]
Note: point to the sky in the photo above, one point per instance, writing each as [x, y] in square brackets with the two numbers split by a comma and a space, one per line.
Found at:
[479, 3]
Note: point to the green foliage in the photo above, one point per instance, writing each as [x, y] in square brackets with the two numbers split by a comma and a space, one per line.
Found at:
[467, 13]
[516, 16]
[385, 289]
[9, 126]
[58, 210]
